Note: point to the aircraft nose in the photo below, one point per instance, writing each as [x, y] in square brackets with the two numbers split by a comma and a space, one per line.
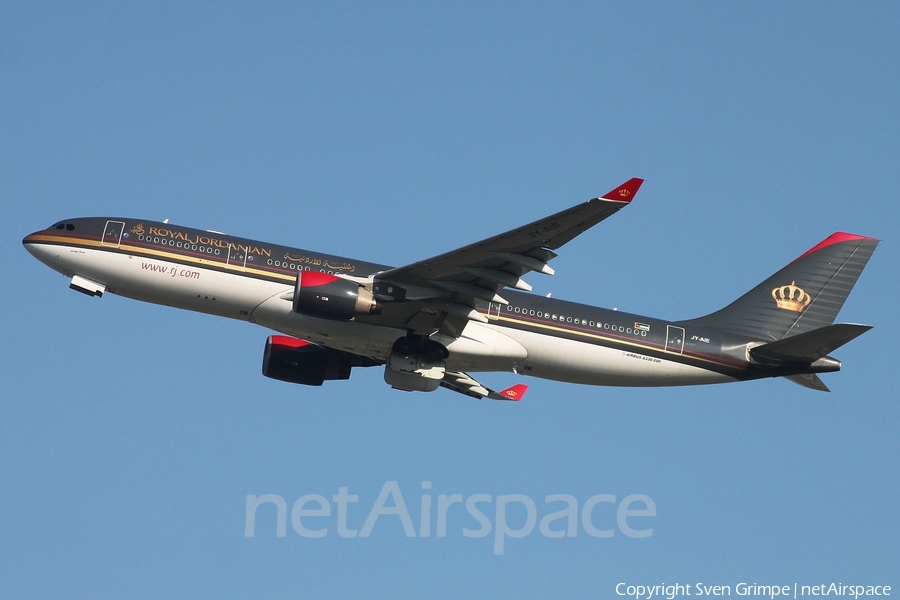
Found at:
[30, 240]
[36, 245]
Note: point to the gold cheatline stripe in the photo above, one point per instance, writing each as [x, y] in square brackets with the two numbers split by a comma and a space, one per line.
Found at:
[609, 339]
[203, 261]
[138, 250]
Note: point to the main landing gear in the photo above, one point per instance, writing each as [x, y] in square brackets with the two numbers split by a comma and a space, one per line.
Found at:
[416, 363]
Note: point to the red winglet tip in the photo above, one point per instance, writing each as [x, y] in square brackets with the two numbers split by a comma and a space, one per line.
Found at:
[835, 238]
[516, 392]
[625, 192]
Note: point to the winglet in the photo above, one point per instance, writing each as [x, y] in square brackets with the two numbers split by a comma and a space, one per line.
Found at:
[625, 192]
[514, 393]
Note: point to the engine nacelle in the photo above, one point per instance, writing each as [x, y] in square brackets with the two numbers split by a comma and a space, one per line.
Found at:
[322, 295]
[298, 361]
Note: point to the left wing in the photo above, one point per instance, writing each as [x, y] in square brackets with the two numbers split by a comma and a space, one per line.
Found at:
[464, 384]
[457, 279]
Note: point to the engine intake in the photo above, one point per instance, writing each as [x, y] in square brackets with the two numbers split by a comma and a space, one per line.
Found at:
[322, 295]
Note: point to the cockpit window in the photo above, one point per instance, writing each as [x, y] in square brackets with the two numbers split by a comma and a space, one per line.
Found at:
[60, 226]
[70, 227]
[66, 226]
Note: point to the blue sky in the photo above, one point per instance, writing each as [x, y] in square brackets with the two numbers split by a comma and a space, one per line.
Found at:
[131, 434]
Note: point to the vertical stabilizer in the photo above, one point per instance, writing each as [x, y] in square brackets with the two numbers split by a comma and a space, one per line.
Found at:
[805, 295]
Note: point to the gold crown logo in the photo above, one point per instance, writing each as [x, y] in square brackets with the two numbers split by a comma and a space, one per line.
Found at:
[624, 193]
[791, 297]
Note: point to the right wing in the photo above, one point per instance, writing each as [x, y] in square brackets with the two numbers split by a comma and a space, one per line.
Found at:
[465, 384]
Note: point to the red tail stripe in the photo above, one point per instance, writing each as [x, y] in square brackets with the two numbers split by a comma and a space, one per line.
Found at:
[834, 238]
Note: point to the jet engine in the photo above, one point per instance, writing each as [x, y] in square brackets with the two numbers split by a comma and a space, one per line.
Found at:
[298, 361]
[322, 295]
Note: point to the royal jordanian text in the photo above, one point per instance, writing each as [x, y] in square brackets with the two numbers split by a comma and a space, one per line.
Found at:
[475, 516]
[794, 590]
[205, 241]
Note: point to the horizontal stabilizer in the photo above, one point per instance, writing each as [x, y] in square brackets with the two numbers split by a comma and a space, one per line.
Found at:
[809, 380]
[812, 345]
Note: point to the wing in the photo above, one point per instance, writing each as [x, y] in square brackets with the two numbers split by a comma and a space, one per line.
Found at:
[465, 384]
[450, 284]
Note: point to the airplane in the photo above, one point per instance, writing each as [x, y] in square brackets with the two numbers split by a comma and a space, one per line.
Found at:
[434, 322]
